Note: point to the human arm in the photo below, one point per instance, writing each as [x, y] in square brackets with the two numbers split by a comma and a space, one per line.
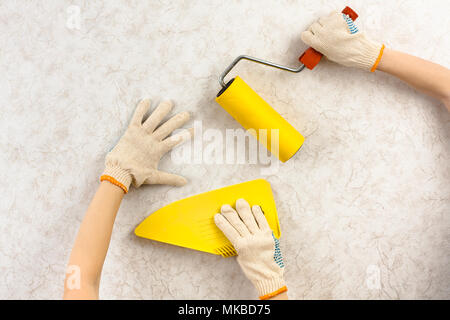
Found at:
[340, 41]
[134, 160]
[425, 76]
[92, 242]
[280, 296]
[258, 250]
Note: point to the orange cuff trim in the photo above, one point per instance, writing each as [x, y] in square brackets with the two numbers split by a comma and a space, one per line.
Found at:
[273, 294]
[113, 181]
[375, 65]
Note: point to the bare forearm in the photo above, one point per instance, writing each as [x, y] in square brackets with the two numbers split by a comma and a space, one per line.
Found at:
[92, 242]
[425, 76]
[281, 296]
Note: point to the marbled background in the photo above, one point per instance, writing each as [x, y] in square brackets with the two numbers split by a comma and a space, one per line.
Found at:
[367, 194]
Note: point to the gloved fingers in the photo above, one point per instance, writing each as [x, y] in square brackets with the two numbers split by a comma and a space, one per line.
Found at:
[233, 218]
[178, 138]
[335, 21]
[351, 26]
[244, 211]
[141, 109]
[330, 15]
[157, 116]
[161, 177]
[170, 125]
[315, 28]
[308, 38]
[260, 218]
[138, 181]
[323, 21]
[225, 226]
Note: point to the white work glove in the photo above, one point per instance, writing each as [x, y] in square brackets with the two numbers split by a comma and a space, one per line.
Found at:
[258, 250]
[337, 38]
[136, 156]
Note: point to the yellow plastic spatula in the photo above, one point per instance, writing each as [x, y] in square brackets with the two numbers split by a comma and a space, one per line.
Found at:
[190, 222]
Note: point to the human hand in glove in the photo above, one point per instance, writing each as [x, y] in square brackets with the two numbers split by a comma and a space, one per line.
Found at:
[136, 156]
[258, 250]
[133, 160]
[336, 37]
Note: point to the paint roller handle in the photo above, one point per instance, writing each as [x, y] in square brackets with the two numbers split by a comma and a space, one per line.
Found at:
[310, 58]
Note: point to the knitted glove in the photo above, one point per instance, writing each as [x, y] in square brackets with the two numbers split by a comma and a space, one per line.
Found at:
[135, 158]
[336, 37]
[258, 250]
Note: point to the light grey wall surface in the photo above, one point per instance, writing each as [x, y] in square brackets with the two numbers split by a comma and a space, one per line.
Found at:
[367, 194]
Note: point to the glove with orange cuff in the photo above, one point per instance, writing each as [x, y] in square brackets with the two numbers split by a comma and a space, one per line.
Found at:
[336, 37]
[134, 160]
[258, 250]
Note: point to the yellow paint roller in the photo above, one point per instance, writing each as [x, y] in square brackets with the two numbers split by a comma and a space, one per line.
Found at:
[252, 112]
[256, 115]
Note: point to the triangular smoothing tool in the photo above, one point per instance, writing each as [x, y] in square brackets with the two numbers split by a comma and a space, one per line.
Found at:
[190, 222]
